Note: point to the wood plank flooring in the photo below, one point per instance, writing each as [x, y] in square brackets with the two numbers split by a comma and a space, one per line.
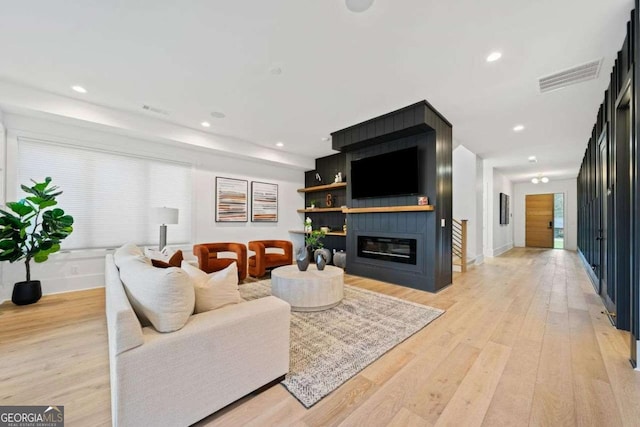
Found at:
[523, 342]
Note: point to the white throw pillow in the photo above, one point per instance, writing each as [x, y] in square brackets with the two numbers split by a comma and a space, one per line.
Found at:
[129, 252]
[214, 290]
[164, 296]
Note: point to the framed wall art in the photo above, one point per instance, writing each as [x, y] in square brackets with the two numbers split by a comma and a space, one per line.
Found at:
[264, 202]
[504, 209]
[231, 200]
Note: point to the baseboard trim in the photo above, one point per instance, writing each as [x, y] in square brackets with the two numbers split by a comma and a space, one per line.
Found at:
[502, 249]
[595, 282]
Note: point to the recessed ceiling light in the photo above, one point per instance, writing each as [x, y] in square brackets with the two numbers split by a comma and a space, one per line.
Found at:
[535, 180]
[532, 159]
[326, 138]
[544, 179]
[358, 5]
[218, 115]
[79, 89]
[494, 56]
[205, 124]
[279, 144]
[518, 128]
[276, 71]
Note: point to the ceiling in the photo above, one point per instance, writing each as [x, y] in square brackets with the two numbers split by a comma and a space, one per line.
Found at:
[337, 67]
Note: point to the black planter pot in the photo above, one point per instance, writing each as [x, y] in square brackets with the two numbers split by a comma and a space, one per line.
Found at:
[25, 293]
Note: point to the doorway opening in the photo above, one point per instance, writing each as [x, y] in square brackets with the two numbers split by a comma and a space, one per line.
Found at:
[558, 221]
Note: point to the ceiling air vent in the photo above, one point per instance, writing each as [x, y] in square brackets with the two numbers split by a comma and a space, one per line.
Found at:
[562, 79]
[155, 110]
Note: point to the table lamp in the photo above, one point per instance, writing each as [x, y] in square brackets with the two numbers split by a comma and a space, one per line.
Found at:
[164, 216]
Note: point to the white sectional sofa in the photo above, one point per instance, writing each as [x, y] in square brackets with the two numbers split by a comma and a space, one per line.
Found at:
[178, 378]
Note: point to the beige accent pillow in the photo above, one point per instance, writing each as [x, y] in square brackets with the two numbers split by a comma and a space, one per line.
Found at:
[163, 296]
[214, 290]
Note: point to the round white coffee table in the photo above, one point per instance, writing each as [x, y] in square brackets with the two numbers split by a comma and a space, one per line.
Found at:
[310, 290]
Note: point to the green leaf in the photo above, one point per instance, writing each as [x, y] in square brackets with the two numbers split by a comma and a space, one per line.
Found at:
[47, 203]
[41, 257]
[46, 245]
[20, 208]
[7, 244]
[40, 186]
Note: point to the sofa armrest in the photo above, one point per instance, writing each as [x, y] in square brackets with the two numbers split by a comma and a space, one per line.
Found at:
[123, 326]
[218, 357]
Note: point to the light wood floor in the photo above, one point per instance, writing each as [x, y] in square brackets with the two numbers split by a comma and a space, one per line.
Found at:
[523, 342]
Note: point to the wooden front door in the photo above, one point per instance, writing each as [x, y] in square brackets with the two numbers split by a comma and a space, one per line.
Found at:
[539, 221]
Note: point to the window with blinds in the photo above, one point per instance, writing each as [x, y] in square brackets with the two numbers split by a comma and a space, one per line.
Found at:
[111, 196]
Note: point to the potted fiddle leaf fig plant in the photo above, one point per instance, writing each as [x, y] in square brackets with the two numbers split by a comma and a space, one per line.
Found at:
[32, 230]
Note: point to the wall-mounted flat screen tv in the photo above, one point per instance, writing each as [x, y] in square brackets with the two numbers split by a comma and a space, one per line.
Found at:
[390, 174]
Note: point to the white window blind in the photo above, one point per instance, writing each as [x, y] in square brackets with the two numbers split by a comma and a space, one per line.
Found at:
[111, 196]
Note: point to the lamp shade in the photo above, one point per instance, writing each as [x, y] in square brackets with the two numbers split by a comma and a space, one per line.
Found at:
[165, 215]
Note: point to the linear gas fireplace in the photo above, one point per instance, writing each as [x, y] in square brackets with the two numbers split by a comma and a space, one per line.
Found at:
[388, 249]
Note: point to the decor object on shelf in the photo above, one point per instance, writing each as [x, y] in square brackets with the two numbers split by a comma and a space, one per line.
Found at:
[32, 232]
[340, 259]
[325, 252]
[318, 177]
[209, 259]
[262, 260]
[302, 258]
[423, 200]
[312, 204]
[338, 178]
[321, 260]
[329, 200]
[325, 230]
[164, 216]
[264, 202]
[320, 340]
[231, 200]
[308, 228]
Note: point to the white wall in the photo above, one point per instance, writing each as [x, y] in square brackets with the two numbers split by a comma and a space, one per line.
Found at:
[568, 188]
[502, 235]
[466, 196]
[84, 269]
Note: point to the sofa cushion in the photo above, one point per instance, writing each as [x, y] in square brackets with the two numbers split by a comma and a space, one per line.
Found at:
[165, 298]
[216, 289]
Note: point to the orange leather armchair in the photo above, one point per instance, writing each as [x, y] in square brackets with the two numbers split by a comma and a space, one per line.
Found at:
[209, 262]
[262, 260]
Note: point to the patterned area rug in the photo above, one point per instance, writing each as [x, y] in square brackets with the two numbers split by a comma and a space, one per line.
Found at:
[329, 347]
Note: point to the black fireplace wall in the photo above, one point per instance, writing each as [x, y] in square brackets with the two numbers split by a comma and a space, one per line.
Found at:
[418, 125]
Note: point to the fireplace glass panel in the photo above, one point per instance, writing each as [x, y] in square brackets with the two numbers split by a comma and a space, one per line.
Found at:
[388, 249]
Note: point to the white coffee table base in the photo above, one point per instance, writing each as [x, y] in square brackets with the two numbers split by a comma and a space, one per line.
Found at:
[310, 290]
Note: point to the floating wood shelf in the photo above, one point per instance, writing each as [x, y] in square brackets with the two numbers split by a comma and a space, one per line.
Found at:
[320, 210]
[380, 209]
[323, 187]
[331, 233]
